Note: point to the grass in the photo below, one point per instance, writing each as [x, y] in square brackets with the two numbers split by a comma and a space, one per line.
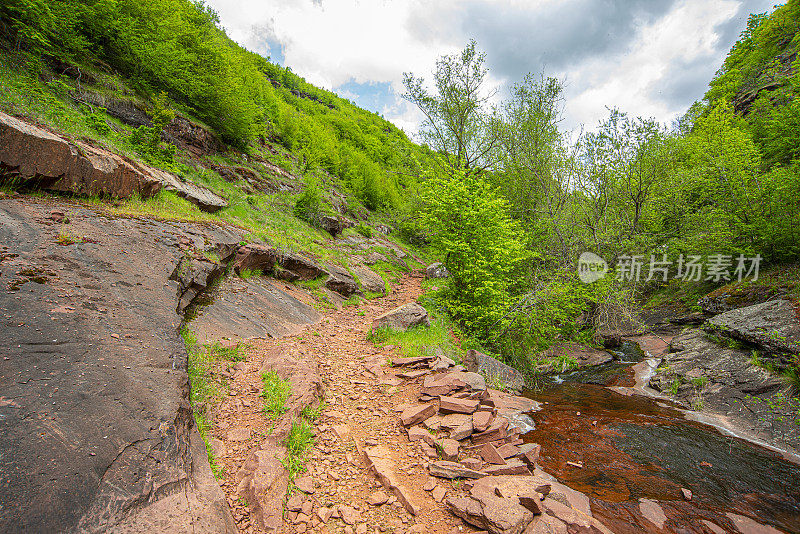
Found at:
[275, 392]
[246, 274]
[65, 237]
[420, 340]
[298, 441]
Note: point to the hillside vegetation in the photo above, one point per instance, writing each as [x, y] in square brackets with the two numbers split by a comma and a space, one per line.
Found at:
[499, 193]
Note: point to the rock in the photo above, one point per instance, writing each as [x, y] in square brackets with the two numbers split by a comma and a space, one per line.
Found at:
[512, 467]
[373, 258]
[652, 512]
[335, 225]
[194, 275]
[505, 401]
[304, 484]
[496, 431]
[203, 198]
[446, 469]
[442, 384]
[377, 498]
[450, 422]
[529, 452]
[217, 447]
[772, 326]
[438, 493]
[370, 280]
[411, 360]
[507, 450]
[493, 369]
[481, 421]
[448, 448]
[43, 159]
[490, 454]
[349, 515]
[488, 511]
[341, 281]
[747, 525]
[475, 381]
[300, 266]
[255, 256]
[416, 433]
[383, 228]
[463, 431]
[342, 431]
[324, 513]
[379, 460]
[415, 414]
[403, 317]
[436, 270]
[687, 494]
[429, 485]
[295, 502]
[456, 405]
[472, 463]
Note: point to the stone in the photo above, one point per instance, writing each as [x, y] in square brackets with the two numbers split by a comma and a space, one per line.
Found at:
[324, 513]
[507, 450]
[202, 197]
[448, 448]
[370, 280]
[304, 484]
[416, 433]
[463, 431]
[450, 422]
[475, 381]
[529, 452]
[532, 502]
[651, 511]
[446, 469]
[481, 420]
[377, 498]
[772, 326]
[436, 270]
[349, 515]
[438, 493]
[442, 384]
[335, 225]
[512, 467]
[750, 526]
[403, 317]
[496, 431]
[361, 528]
[449, 404]
[308, 507]
[415, 414]
[687, 494]
[490, 455]
[411, 360]
[429, 485]
[295, 502]
[342, 431]
[255, 256]
[341, 281]
[239, 434]
[300, 266]
[472, 463]
[217, 447]
[486, 510]
[493, 369]
[379, 460]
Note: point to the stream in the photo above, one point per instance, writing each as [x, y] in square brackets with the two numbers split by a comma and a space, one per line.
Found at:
[635, 447]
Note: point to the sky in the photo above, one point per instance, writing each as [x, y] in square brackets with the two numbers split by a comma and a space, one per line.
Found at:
[650, 58]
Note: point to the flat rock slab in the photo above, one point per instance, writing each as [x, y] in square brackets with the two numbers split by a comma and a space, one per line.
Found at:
[403, 317]
[99, 433]
[379, 460]
[773, 326]
[447, 469]
[416, 414]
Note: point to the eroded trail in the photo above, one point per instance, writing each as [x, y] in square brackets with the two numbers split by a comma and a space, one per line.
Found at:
[360, 410]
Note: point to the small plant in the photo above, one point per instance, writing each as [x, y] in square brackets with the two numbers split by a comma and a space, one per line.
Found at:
[379, 336]
[364, 230]
[361, 313]
[275, 392]
[312, 413]
[354, 300]
[675, 386]
[65, 237]
[300, 438]
[246, 274]
[233, 354]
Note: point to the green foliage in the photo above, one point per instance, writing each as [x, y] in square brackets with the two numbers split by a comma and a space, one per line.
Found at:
[275, 392]
[470, 228]
[298, 441]
[246, 274]
[310, 204]
[364, 230]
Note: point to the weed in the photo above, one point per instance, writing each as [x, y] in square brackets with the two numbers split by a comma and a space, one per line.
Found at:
[312, 413]
[354, 300]
[361, 313]
[65, 237]
[300, 438]
[675, 386]
[275, 392]
[364, 230]
[246, 274]
[233, 354]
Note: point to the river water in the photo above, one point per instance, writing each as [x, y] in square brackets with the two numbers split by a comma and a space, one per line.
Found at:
[635, 447]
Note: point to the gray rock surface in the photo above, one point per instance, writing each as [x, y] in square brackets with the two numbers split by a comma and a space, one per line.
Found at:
[403, 317]
[341, 281]
[96, 433]
[772, 326]
[436, 270]
[370, 280]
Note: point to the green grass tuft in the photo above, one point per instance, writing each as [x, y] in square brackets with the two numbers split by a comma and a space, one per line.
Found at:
[275, 392]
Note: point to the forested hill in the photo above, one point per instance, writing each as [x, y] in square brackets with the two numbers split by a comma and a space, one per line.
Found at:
[139, 48]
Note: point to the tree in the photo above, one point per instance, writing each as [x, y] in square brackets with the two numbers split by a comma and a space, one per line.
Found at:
[457, 122]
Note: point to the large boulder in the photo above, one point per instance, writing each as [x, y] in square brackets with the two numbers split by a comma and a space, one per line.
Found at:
[335, 225]
[403, 317]
[494, 370]
[255, 257]
[341, 281]
[772, 326]
[42, 159]
[370, 280]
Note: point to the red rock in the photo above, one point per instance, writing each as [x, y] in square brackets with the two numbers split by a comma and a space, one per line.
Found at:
[514, 467]
[687, 494]
[445, 469]
[442, 384]
[377, 498]
[305, 484]
[472, 463]
[496, 431]
[295, 502]
[508, 450]
[349, 515]
[455, 405]
[448, 449]
[481, 421]
[403, 317]
[438, 493]
[490, 455]
[415, 414]
[529, 452]
[398, 362]
[417, 433]
[379, 460]
[463, 431]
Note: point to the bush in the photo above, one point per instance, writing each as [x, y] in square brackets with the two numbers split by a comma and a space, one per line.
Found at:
[310, 204]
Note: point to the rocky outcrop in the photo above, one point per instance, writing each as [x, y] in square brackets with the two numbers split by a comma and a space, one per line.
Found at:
[772, 326]
[403, 317]
[335, 225]
[266, 259]
[370, 280]
[96, 432]
[40, 159]
[493, 369]
[341, 281]
[194, 275]
[436, 270]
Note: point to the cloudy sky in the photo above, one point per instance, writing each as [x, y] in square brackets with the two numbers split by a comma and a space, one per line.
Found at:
[648, 57]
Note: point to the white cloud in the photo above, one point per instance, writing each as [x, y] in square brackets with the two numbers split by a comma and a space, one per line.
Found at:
[643, 67]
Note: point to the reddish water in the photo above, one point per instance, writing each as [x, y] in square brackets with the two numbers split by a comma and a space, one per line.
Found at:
[633, 447]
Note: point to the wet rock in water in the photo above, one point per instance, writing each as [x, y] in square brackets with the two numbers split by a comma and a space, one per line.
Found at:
[653, 512]
[436, 270]
[493, 369]
[772, 326]
[517, 420]
[403, 317]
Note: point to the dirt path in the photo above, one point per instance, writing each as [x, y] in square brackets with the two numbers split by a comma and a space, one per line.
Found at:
[359, 410]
